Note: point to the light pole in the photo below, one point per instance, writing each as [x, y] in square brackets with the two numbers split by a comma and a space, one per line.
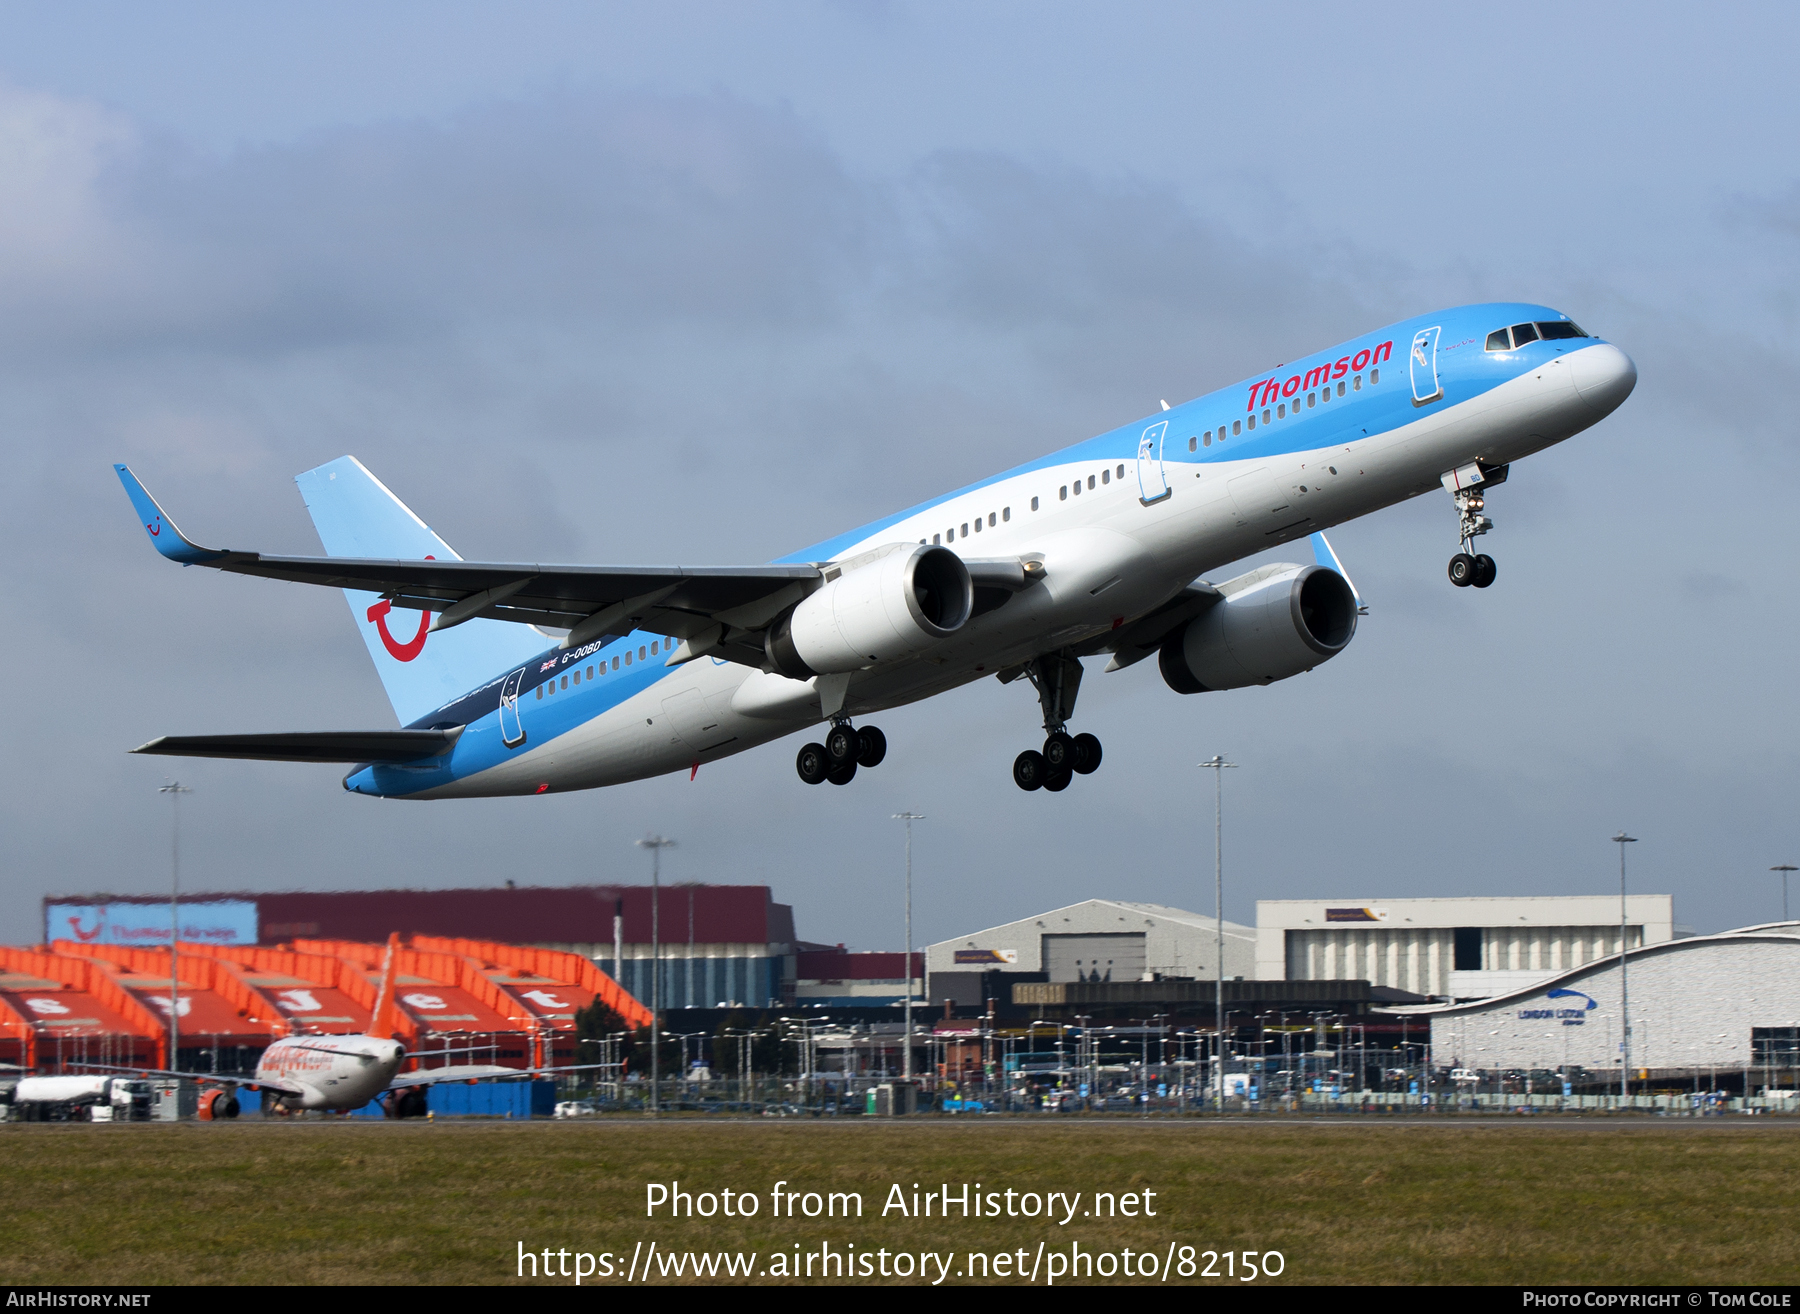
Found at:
[1622, 839]
[656, 844]
[174, 789]
[1784, 869]
[1219, 766]
[906, 957]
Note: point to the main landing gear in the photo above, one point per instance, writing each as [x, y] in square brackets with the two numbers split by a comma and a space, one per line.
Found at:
[845, 749]
[1466, 568]
[1057, 678]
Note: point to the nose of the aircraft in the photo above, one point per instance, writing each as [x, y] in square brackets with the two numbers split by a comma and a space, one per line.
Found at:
[1604, 376]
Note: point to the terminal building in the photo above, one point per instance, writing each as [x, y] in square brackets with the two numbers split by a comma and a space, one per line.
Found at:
[1451, 948]
[1727, 1006]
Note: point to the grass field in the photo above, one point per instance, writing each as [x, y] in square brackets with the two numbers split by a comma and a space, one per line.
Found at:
[409, 1203]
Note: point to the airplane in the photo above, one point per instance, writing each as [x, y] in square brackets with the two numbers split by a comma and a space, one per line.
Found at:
[1099, 548]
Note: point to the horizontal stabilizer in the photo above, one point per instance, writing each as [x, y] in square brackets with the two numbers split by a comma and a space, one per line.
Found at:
[323, 746]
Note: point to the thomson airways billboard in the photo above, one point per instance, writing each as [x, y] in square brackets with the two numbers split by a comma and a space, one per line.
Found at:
[223, 921]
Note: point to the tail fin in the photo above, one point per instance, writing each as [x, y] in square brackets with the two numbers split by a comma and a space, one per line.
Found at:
[357, 516]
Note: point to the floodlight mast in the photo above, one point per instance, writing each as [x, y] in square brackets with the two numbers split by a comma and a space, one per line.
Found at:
[1219, 766]
[906, 957]
[1784, 869]
[1622, 839]
[174, 789]
[656, 844]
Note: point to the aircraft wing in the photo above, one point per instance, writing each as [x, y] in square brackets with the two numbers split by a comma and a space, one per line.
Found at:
[472, 1072]
[216, 1078]
[324, 746]
[700, 603]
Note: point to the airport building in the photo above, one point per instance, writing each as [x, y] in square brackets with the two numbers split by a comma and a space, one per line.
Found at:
[1451, 948]
[721, 945]
[1727, 1006]
[1095, 942]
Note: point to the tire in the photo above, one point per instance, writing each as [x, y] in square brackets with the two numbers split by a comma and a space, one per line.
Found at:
[1087, 754]
[844, 774]
[873, 747]
[1462, 570]
[1485, 570]
[842, 744]
[812, 763]
[1059, 752]
[1029, 770]
[1058, 780]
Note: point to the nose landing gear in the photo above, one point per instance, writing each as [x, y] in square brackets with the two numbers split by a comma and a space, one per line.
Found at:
[1056, 679]
[845, 749]
[1466, 485]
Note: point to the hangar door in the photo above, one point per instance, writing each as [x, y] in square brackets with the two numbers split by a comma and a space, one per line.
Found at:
[1114, 956]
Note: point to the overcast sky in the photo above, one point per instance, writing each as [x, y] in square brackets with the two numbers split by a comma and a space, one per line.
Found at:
[704, 283]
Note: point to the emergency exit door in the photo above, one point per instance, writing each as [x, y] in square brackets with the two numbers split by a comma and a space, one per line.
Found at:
[1152, 487]
[1425, 385]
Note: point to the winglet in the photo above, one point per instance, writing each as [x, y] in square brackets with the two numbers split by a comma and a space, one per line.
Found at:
[164, 537]
[1323, 554]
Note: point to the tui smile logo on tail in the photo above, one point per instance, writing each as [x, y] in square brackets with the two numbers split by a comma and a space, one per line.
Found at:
[400, 652]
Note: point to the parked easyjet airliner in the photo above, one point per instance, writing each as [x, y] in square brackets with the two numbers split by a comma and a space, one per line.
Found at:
[1098, 548]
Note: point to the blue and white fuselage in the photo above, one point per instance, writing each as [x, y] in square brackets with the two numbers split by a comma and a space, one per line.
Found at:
[1112, 533]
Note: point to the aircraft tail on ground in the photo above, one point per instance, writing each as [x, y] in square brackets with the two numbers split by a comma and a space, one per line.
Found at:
[357, 516]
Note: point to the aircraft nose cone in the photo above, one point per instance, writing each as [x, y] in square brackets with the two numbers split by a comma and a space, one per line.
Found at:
[1604, 376]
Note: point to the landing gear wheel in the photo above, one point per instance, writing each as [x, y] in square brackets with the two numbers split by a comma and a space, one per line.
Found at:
[873, 746]
[1059, 752]
[843, 775]
[1058, 779]
[842, 745]
[1462, 570]
[1484, 571]
[1087, 754]
[1029, 770]
[812, 763]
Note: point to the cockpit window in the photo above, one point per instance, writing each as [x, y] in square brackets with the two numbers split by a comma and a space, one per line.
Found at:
[1564, 329]
[1523, 333]
[1497, 341]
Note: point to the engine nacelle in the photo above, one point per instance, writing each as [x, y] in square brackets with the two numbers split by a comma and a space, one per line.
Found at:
[893, 606]
[1285, 622]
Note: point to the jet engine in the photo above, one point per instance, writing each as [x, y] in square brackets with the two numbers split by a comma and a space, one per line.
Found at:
[893, 606]
[1278, 621]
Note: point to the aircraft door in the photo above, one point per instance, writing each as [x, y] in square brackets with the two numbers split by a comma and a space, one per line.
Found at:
[512, 729]
[1425, 385]
[1152, 487]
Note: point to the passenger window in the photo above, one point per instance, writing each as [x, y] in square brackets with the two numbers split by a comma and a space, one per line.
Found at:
[1340, 389]
[1209, 437]
[1556, 332]
[1523, 333]
[1281, 411]
[1374, 377]
[1034, 504]
[1497, 341]
[991, 517]
[615, 663]
[977, 524]
[1237, 427]
[1006, 512]
[1265, 416]
[591, 672]
[937, 540]
[577, 675]
[1311, 400]
[627, 657]
[1251, 422]
[1121, 472]
[1064, 492]
[640, 654]
[965, 529]
[540, 693]
[1194, 444]
[950, 535]
[565, 682]
[1090, 481]
[1356, 383]
[1106, 476]
[653, 650]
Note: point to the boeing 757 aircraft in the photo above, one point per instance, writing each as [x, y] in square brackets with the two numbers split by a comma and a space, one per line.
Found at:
[1098, 548]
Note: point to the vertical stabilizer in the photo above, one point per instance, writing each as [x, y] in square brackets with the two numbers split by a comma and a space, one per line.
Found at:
[357, 516]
